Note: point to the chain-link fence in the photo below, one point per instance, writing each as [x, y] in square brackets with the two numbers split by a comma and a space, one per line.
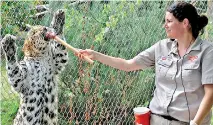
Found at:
[93, 94]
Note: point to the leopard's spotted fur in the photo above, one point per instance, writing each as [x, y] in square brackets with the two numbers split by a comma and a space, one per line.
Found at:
[35, 77]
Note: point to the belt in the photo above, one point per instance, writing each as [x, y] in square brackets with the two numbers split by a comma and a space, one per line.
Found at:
[166, 117]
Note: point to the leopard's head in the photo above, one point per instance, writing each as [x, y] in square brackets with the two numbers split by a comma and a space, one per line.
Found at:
[36, 43]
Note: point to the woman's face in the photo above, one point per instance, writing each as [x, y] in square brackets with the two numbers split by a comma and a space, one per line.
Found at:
[174, 28]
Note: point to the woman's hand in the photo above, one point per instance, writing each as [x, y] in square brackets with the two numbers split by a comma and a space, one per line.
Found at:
[87, 52]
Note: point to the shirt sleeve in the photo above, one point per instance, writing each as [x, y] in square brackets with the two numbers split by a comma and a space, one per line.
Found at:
[207, 68]
[146, 58]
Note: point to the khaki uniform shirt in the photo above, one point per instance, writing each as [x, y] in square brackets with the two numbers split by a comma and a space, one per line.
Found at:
[179, 80]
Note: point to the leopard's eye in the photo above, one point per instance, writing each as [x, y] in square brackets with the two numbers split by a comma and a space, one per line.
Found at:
[33, 32]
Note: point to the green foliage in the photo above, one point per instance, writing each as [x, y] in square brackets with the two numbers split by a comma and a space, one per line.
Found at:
[209, 31]
[201, 6]
[15, 15]
[8, 110]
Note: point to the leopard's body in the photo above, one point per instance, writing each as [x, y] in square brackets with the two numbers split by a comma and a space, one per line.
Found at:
[35, 77]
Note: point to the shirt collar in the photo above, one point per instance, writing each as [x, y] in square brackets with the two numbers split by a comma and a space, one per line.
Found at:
[195, 46]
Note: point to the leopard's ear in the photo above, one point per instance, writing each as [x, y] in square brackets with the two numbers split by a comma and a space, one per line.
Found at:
[28, 27]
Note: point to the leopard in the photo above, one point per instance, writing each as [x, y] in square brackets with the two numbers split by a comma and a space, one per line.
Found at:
[35, 77]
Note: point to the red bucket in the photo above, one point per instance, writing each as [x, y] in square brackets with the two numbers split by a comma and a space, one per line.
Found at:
[142, 116]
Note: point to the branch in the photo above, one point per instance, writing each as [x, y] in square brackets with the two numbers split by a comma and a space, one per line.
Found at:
[77, 2]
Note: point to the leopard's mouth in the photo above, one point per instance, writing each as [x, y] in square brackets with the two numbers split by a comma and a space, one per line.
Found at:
[44, 34]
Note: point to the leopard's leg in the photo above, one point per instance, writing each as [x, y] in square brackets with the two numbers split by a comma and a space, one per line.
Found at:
[58, 22]
[60, 55]
[17, 73]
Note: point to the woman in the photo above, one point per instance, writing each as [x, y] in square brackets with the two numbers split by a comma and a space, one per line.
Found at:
[183, 67]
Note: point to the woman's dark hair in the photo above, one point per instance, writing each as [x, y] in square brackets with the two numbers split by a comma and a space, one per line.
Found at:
[182, 10]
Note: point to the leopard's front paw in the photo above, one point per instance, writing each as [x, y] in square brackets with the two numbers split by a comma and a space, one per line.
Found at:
[60, 13]
[8, 45]
[58, 21]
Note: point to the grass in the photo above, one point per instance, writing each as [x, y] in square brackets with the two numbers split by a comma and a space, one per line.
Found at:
[9, 100]
[8, 111]
[6, 91]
